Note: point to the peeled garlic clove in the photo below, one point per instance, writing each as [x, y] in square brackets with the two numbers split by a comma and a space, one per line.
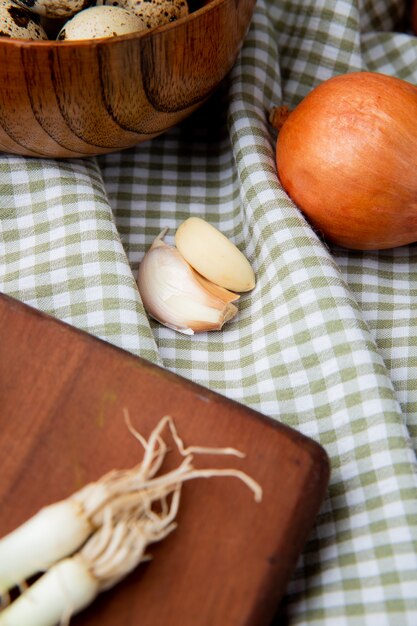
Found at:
[174, 295]
[213, 255]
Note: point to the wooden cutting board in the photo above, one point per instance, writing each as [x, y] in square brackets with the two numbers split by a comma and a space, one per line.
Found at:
[62, 395]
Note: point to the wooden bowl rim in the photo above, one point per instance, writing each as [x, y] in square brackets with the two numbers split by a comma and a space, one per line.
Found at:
[108, 41]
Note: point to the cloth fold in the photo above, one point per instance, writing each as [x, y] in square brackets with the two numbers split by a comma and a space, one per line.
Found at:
[326, 341]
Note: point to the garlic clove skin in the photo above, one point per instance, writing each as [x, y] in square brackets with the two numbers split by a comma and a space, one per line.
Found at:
[213, 255]
[174, 295]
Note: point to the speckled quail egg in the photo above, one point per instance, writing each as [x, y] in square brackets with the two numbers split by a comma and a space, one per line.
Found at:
[153, 12]
[54, 8]
[19, 23]
[101, 21]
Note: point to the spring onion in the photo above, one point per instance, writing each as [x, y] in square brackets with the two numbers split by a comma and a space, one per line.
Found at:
[89, 542]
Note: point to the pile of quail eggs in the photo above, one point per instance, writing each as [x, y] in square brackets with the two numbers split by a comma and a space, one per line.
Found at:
[66, 20]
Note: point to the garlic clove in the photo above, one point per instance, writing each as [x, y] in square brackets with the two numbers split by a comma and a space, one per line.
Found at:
[216, 290]
[213, 255]
[174, 295]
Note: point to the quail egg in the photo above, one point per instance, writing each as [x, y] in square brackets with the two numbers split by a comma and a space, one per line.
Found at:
[153, 12]
[54, 8]
[101, 21]
[19, 23]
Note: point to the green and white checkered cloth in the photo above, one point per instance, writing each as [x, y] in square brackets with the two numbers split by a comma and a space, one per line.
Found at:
[325, 343]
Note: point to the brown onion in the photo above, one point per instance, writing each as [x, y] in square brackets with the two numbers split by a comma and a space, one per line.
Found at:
[347, 156]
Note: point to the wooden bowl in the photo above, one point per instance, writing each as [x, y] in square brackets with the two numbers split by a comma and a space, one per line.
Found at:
[84, 98]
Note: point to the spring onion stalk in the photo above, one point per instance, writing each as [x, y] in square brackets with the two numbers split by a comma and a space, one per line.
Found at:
[109, 555]
[54, 532]
[61, 528]
[90, 541]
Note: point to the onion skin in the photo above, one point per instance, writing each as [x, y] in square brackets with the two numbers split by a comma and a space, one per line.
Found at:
[347, 157]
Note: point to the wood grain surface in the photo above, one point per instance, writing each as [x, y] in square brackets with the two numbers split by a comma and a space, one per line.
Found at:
[68, 99]
[62, 393]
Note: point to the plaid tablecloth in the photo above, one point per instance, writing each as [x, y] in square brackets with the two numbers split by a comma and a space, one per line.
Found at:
[325, 343]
